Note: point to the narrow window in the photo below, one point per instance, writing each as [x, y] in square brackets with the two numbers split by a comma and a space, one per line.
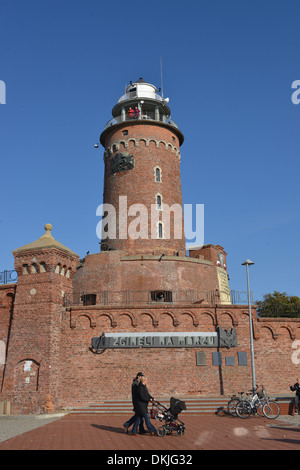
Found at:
[25, 269]
[160, 230]
[158, 203]
[125, 132]
[157, 175]
[42, 267]
[34, 268]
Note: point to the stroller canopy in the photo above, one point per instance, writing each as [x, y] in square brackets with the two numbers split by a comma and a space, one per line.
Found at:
[176, 406]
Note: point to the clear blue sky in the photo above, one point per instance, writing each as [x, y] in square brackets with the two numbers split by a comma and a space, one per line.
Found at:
[228, 67]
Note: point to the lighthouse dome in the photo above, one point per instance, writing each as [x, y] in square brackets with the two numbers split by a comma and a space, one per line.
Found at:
[140, 89]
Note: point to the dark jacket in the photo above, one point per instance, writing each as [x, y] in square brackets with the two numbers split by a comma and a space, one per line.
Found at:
[143, 398]
[296, 388]
[134, 389]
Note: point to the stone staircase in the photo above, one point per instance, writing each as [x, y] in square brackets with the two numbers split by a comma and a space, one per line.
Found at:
[204, 406]
[194, 406]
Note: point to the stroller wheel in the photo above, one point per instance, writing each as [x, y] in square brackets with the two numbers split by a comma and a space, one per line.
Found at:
[180, 432]
[161, 432]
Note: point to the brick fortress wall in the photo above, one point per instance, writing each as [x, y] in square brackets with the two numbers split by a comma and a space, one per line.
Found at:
[57, 340]
[89, 377]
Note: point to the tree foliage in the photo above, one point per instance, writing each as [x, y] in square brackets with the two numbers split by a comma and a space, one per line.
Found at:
[279, 304]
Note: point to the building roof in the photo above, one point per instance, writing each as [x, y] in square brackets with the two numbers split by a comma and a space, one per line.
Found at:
[45, 241]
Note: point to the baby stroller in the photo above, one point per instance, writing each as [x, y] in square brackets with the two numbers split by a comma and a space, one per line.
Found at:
[169, 415]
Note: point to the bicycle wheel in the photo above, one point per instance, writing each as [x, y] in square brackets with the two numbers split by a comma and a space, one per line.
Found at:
[259, 408]
[232, 406]
[271, 409]
[243, 409]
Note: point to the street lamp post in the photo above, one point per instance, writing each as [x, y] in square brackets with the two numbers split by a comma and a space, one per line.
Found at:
[248, 263]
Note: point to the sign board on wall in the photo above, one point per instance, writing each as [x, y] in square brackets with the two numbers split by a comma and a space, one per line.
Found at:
[193, 339]
[225, 297]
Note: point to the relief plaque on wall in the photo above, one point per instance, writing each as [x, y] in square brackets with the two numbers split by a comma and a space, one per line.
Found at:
[121, 162]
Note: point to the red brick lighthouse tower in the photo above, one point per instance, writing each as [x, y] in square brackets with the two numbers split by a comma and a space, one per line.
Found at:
[142, 175]
[142, 239]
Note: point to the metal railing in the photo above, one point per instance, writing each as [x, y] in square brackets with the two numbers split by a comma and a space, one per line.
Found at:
[137, 94]
[148, 115]
[283, 311]
[147, 297]
[240, 297]
[7, 277]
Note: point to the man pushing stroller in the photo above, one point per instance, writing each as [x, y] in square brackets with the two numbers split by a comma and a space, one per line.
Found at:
[140, 400]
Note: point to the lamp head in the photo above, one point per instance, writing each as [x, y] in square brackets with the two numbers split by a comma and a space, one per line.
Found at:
[247, 262]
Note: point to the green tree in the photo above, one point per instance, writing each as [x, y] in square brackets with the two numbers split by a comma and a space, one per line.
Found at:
[279, 304]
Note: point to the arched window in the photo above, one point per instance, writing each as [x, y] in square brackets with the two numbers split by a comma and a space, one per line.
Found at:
[158, 202]
[34, 268]
[160, 230]
[25, 269]
[42, 267]
[157, 175]
[57, 269]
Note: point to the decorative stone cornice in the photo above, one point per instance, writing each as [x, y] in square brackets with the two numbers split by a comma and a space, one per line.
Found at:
[115, 147]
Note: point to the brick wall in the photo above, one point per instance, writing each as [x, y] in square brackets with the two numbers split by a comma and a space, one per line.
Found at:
[95, 377]
[151, 147]
[57, 341]
[32, 364]
[7, 295]
[114, 270]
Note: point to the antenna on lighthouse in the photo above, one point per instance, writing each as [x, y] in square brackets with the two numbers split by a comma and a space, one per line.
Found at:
[161, 79]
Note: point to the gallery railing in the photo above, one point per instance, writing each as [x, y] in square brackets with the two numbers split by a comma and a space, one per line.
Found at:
[7, 277]
[147, 297]
[148, 115]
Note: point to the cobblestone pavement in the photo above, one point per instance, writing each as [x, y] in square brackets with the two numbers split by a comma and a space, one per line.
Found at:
[11, 426]
[105, 432]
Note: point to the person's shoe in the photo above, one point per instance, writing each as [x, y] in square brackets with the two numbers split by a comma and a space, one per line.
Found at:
[143, 432]
[153, 434]
[125, 428]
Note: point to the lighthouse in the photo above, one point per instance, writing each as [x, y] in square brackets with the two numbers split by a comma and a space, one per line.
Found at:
[143, 253]
[142, 302]
[142, 199]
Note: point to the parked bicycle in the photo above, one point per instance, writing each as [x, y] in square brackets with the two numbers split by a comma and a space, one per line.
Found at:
[259, 404]
[231, 406]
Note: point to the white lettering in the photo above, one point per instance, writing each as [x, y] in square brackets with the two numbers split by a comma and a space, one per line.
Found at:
[198, 236]
[140, 222]
[2, 92]
[117, 460]
[106, 228]
[295, 99]
[139, 227]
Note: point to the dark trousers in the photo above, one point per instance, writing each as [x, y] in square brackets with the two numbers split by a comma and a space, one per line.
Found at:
[132, 420]
[139, 418]
[297, 402]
